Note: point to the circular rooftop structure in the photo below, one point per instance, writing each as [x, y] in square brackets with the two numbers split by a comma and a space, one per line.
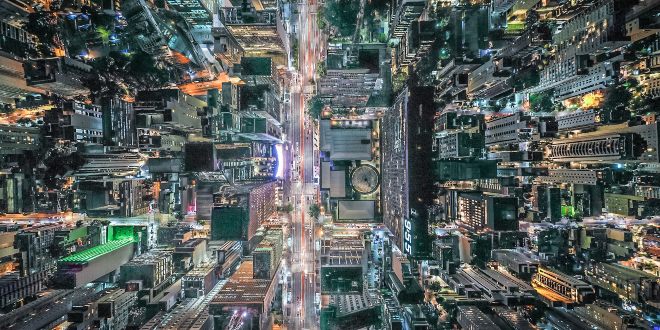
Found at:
[364, 179]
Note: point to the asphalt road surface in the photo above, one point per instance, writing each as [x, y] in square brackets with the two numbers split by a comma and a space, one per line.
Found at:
[303, 191]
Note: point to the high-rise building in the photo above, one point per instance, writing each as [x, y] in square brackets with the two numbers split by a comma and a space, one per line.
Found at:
[460, 145]
[34, 246]
[14, 38]
[151, 269]
[169, 107]
[11, 192]
[471, 318]
[81, 122]
[60, 75]
[478, 211]
[199, 281]
[15, 287]
[114, 308]
[236, 215]
[464, 169]
[123, 197]
[118, 122]
[15, 140]
[343, 265]
[632, 284]
[630, 144]
[349, 86]
[516, 262]
[13, 86]
[572, 73]
[548, 202]
[195, 12]
[267, 255]
[406, 151]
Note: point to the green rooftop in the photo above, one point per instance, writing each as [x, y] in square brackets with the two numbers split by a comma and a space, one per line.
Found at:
[97, 251]
[515, 26]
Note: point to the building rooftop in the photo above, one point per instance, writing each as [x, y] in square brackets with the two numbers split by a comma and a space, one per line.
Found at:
[149, 258]
[561, 276]
[515, 256]
[513, 318]
[476, 317]
[623, 272]
[114, 295]
[257, 38]
[345, 142]
[351, 303]
[95, 252]
[343, 258]
[201, 270]
[338, 184]
[356, 210]
[104, 165]
[242, 288]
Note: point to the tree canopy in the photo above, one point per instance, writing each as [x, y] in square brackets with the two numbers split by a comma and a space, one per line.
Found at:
[542, 102]
[342, 14]
[315, 105]
[314, 211]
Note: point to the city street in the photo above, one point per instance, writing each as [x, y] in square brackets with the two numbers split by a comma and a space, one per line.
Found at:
[303, 191]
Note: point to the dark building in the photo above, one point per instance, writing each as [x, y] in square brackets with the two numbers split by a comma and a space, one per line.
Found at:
[471, 318]
[82, 122]
[468, 169]
[199, 281]
[34, 247]
[199, 156]
[632, 284]
[14, 287]
[236, 214]
[502, 213]
[451, 120]
[60, 75]
[229, 223]
[548, 202]
[407, 139]
[460, 144]
[118, 122]
[479, 211]
[516, 262]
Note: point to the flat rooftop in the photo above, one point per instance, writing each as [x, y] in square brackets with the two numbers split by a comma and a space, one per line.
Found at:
[200, 271]
[352, 303]
[149, 258]
[343, 258]
[345, 143]
[515, 256]
[625, 273]
[338, 184]
[261, 38]
[356, 210]
[242, 288]
[97, 251]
